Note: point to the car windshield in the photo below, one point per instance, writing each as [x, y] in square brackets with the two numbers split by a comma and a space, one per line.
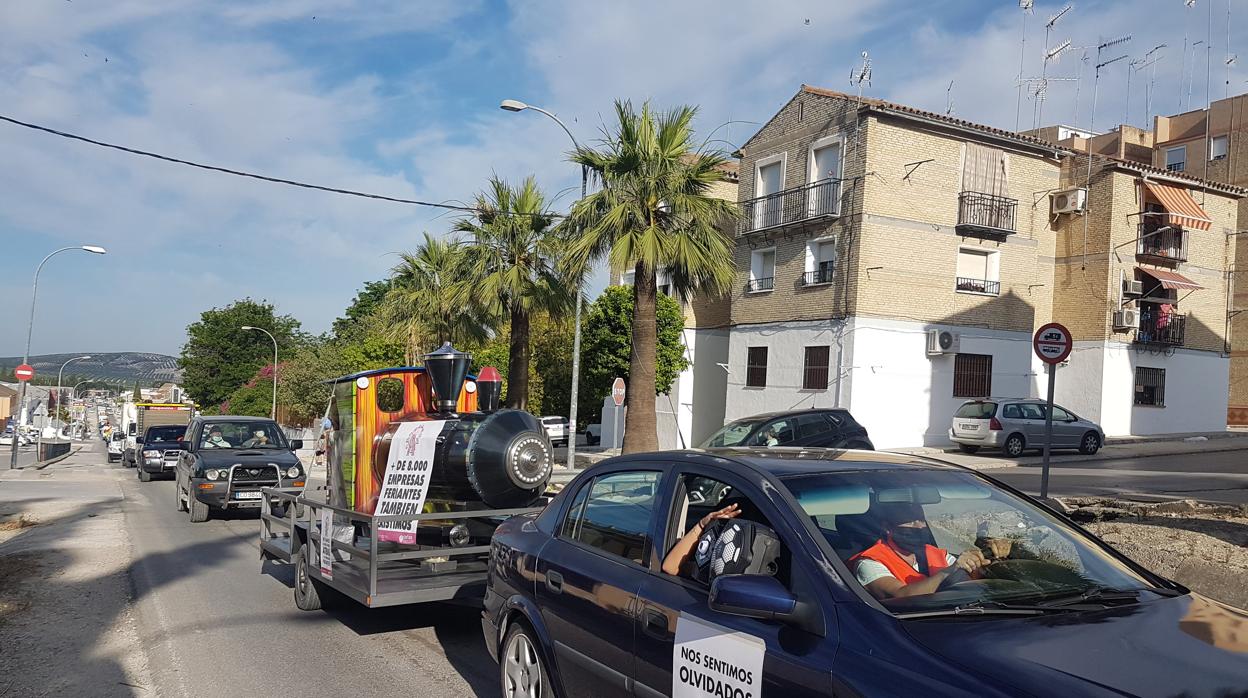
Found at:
[226, 434]
[976, 410]
[732, 434]
[1031, 555]
[161, 435]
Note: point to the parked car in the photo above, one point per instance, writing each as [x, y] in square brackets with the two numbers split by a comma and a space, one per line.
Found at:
[578, 601]
[593, 434]
[116, 446]
[557, 430]
[227, 460]
[831, 428]
[1015, 425]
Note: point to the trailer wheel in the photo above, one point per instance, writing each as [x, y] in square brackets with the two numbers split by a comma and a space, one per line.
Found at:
[144, 476]
[307, 590]
[199, 510]
[177, 497]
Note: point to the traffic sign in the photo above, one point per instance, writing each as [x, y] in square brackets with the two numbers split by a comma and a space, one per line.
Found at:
[1052, 343]
[24, 372]
[617, 392]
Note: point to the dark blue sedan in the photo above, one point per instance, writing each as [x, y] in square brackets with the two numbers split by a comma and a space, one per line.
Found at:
[793, 572]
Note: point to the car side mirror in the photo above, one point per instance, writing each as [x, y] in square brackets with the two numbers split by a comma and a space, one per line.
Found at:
[752, 596]
[138, 439]
[296, 444]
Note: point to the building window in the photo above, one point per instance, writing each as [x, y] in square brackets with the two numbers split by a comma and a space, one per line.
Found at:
[762, 270]
[978, 271]
[972, 375]
[756, 367]
[1176, 158]
[820, 262]
[1150, 386]
[1217, 148]
[815, 373]
[769, 181]
[985, 170]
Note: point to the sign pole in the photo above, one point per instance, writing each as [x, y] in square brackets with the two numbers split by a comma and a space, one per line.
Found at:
[1048, 435]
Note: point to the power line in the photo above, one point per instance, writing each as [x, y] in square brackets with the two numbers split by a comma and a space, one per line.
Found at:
[252, 175]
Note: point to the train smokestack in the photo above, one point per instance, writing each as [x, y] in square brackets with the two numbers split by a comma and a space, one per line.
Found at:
[489, 389]
[447, 368]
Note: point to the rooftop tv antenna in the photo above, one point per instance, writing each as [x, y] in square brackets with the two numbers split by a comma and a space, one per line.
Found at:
[949, 99]
[1183, 66]
[1149, 60]
[1190, 74]
[1050, 53]
[1100, 48]
[1025, 6]
[861, 74]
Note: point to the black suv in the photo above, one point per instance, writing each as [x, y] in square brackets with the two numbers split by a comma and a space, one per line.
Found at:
[827, 428]
[227, 460]
[159, 450]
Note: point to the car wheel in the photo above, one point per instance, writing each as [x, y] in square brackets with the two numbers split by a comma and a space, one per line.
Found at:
[199, 510]
[1014, 445]
[968, 448]
[144, 476]
[522, 672]
[1091, 443]
[177, 497]
[307, 590]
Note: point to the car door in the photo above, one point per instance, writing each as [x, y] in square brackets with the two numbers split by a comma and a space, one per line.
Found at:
[795, 661]
[186, 460]
[1066, 429]
[818, 429]
[1033, 422]
[587, 581]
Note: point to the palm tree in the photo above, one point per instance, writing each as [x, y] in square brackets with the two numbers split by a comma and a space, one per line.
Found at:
[653, 212]
[512, 267]
[428, 303]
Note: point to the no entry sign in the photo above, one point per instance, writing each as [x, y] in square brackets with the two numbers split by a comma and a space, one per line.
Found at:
[24, 372]
[1052, 343]
[617, 392]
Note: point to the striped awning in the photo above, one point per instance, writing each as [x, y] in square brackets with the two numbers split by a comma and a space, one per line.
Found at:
[1180, 205]
[1172, 280]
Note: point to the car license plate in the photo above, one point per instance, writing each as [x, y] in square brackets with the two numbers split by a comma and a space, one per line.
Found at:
[246, 495]
[970, 427]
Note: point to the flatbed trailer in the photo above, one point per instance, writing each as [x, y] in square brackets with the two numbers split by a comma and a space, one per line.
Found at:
[373, 573]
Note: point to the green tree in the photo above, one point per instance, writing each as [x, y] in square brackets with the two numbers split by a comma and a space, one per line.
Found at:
[512, 268]
[219, 356]
[365, 305]
[654, 211]
[607, 349]
[429, 303]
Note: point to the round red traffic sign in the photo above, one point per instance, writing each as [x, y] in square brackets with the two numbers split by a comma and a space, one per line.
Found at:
[1052, 343]
[617, 392]
[24, 372]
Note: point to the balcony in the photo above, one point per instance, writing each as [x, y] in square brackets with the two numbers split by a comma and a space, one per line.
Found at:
[1161, 243]
[1160, 329]
[989, 215]
[808, 202]
[984, 286]
[822, 275]
[766, 283]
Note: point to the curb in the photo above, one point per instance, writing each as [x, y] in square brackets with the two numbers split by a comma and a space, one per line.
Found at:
[51, 461]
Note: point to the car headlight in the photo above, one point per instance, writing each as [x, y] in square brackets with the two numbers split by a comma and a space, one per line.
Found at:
[293, 472]
[212, 474]
[152, 454]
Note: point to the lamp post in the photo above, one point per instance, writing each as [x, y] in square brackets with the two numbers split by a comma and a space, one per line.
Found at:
[60, 397]
[34, 292]
[273, 412]
[513, 105]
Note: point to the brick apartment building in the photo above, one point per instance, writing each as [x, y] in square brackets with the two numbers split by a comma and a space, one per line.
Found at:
[891, 261]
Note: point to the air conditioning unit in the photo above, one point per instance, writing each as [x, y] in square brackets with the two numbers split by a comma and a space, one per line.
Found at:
[942, 342]
[1132, 288]
[1126, 319]
[1069, 201]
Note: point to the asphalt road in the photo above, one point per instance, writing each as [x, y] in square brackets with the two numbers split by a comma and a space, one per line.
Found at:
[1214, 477]
[217, 620]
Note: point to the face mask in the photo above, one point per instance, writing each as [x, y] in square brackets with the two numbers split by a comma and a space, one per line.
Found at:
[909, 538]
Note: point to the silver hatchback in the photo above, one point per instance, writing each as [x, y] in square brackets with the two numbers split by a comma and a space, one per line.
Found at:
[1015, 425]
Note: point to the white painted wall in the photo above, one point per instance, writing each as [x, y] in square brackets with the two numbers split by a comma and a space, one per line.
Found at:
[1195, 399]
[703, 383]
[786, 343]
[1080, 385]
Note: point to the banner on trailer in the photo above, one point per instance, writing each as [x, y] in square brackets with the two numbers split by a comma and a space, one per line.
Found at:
[327, 543]
[407, 478]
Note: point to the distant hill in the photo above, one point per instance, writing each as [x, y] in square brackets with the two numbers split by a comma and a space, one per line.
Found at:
[123, 367]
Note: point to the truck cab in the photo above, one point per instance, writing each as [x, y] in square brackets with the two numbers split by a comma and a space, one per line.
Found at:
[226, 461]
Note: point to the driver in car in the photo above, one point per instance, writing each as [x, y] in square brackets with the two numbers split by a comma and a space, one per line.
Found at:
[902, 563]
[215, 440]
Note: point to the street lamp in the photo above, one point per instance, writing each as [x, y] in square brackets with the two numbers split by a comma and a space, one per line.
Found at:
[514, 105]
[273, 413]
[60, 397]
[34, 292]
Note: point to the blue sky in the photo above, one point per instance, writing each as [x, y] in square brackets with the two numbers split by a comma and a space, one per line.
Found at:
[400, 97]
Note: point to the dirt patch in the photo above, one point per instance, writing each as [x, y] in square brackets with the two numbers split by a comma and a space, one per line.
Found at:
[1201, 546]
[14, 596]
[9, 522]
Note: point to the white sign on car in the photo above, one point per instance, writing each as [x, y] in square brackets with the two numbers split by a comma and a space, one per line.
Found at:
[711, 661]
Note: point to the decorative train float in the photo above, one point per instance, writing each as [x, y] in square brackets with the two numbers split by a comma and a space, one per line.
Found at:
[422, 467]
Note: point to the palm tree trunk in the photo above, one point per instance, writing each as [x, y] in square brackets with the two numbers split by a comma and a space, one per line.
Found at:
[518, 360]
[640, 426]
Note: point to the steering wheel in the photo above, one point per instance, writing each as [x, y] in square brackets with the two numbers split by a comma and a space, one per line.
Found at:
[957, 576]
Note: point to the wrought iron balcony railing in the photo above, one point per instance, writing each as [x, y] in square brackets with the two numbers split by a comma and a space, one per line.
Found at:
[765, 283]
[972, 285]
[807, 202]
[821, 275]
[986, 213]
[1162, 242]
[1167, 329]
